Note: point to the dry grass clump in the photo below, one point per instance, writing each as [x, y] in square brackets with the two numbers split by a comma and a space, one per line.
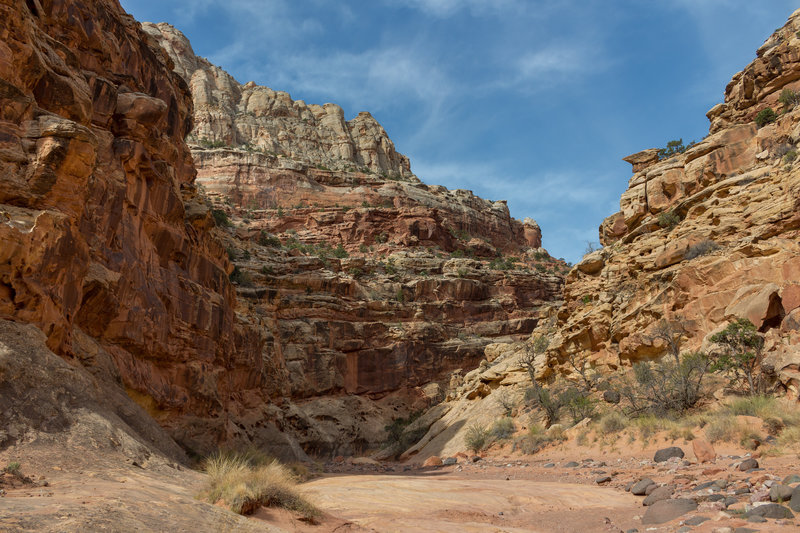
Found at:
[612, 422]
[244, 484]
[537, 438]
[790, 437]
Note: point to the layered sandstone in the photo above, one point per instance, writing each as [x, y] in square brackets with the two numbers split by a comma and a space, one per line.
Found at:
[370, 285]
[702, 237]
[109, 248]
[104, 243]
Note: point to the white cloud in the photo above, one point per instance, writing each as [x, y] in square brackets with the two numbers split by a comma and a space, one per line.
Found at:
[444, 8]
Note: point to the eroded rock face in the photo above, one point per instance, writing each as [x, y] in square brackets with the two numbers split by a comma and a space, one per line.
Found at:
[369, 285]
[104, 245]
[268, 121]
[702, 237]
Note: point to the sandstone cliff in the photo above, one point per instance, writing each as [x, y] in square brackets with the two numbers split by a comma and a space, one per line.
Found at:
[104, 244]
[358, 286]
[368, 284]
[704, 236]
[701, 238]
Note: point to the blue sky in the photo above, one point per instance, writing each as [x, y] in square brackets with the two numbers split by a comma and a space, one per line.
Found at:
[534, 102]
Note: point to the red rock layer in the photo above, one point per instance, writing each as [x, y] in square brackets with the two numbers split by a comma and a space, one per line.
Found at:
[100, 228]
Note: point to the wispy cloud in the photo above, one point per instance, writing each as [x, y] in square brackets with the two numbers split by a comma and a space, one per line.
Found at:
[444, 8]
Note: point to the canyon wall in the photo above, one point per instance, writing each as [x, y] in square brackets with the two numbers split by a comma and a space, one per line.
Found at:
[104, 242]
[702, 237]
[371, 285]
[356, 288]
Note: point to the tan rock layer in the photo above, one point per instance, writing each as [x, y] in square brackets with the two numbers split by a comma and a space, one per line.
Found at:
[703, 237]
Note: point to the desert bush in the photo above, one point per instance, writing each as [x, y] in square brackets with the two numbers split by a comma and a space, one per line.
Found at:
[665, 386]
[498, 263]
[766, 116]
[533, 349]
[703, 247]
[339, 252]
[243, 487]
[476, 438]
[674, 147]
[789, 98]
[265, 239]
[742, 347]
[398, 437]
[722, 428]
[612, 422]
[551, 404]
[790, 437]
[240, 277]
[790, 156]
[502, 428]
[13, 468]
[668, 219]
[506, 401]
[220, 218]
[578, 404]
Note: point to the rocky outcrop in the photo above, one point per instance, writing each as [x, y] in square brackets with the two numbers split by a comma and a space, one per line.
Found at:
[369, 285]
[266, 121]
[701, 237]
[357, 284]
[104, 244]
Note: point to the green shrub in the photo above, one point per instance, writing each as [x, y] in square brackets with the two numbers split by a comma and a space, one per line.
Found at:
[499, 263]
[578, 404]
[612, 422]
[220, 218]
[741, 358]
[668, 219]
[265, 239]
[381, 238]
[766, 116]
[476, 438]
[789, 98]
[674, 148]
[790, 156]
[702, 248]
[670, 385]
[13, 468]
[339, 252]
[502, 429]
[240, 277]
[363, 248]
[398, 437]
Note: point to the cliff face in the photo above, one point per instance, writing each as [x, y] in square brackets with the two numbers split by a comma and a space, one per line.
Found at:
[104, 244]
[704, 236]
[369, 284]
[358, 285]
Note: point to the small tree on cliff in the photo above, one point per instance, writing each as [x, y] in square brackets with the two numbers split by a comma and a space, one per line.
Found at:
[742, 354]
[673, 384]
[532, 350]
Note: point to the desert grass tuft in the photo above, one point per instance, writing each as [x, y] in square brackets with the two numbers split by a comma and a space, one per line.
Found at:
[244, 487]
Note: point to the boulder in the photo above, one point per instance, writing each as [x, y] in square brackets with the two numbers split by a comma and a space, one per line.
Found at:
[666, 510]
[668, 453]
[703, 451]
[661, 493]
[748, 464]
[640, 487]
[433, 460]
[770, 510]
[780, 493]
